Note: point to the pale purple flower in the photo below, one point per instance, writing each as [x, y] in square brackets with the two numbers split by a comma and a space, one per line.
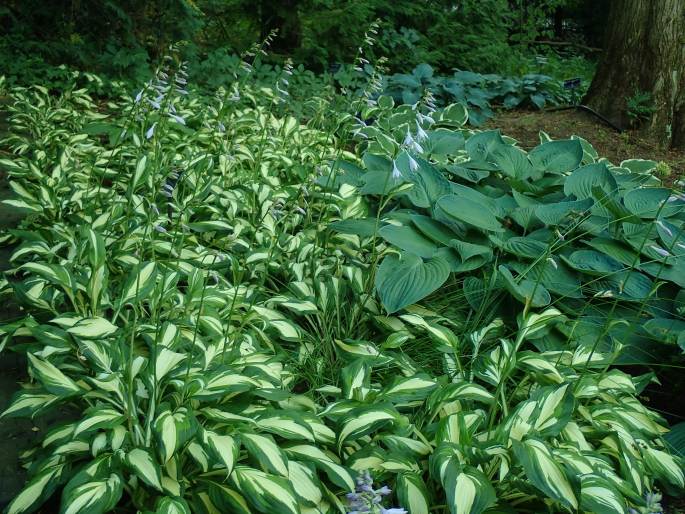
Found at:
[151, 131]
[221, 127]
[160, 228]
[413, 165]
[664, 227]
[155, 105]
[660, 251]
[421, 134]
[139, 96]
[408, 140]
[177, 118]
[396, 173]
[417, 147]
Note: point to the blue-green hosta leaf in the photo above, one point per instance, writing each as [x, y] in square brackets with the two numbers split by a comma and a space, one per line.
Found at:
[402, 282]
[444, 142]
[364, 420]
[412, 493]
[512, 162]
[468, 490]
[168, 505]
[92, 328]
[555, 213]
[639, 165]
[265, 451]
[52, 378]
[461, 209]
[556, 157]
[36, 491]
[666, 330]
[433, 229]
[145, 467]
[582, 181]
[95, 497]
[364, 227]
[592, 263]
[480, 146]
[266, 493]
[525, 290]
[651, 202]
[429, 183]
[409, 239]
[598, 495]
[544, 472]
[675, 439]
[525, 247]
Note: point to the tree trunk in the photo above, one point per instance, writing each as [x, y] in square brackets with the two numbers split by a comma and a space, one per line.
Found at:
[644, 53]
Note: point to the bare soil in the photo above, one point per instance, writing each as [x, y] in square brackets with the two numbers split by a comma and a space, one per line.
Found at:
[525, 127]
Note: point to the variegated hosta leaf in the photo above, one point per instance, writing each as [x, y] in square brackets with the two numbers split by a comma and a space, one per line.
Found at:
[173, 429]
[599, 496]
[52, 378]
[266, 493]
[412, 493]
[336, 473]
[36, 491]
[145, 467]
[223, 448]
[468, 490]
[95, 497]
[167, 505]
[544, 471]
[364, 420]
[266, 452]
[92, 328]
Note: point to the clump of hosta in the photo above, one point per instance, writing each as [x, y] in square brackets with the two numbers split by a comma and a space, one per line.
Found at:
[365, 499]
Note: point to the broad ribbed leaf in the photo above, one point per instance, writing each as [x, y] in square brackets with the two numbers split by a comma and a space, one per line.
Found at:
[402, 282]
[409, 239]
[582, 181]
[469, 211]
[556, 156]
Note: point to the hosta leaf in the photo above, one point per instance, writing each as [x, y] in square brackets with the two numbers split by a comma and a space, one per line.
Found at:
[267, 493]
[409, 239]
[582, 181]
[305, 483]
[403, 281]
[433, 229]
[95, 497]
[145, 467]
[544, 471]
[364, 227]
[228, 500]
[26, 403]
[266, 452]
[364, 420]
[139, 283]
[650, 202]
[36, 491]
[469, 211]
[92, 328]
[598, 495]
[98, 418]
[525, 290]
[412, 493]
[224, 448]
[408, 389]
[593, 263]
[468, 490]
[664, 466]
[556, 156]
[167, 505]
[555, 213]
[52, 378]
[335, 472]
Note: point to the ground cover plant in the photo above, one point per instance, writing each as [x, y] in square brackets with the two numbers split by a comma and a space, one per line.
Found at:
[245, 305]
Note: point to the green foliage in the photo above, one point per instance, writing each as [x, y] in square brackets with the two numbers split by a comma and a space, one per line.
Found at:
[640, 106]
[251, 299]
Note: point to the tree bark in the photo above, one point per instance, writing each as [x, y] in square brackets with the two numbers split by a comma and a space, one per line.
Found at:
[644, 53]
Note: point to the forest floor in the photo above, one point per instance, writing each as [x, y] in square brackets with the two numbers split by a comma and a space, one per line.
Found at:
[525, 126]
